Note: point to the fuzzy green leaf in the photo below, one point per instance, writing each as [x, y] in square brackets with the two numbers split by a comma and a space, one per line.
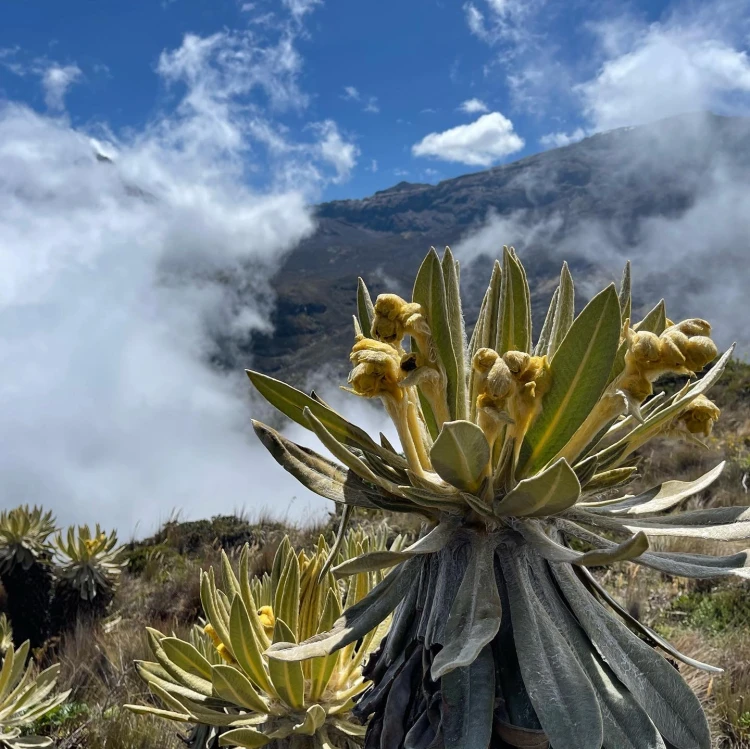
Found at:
[245, 645]
[625, 295]
[458, 333]
[547, 493]
[365, 309]
[542, 346]
[355, 622]
[247, 738]
[625, 723]
[579, 374]
[608, 552]
[469, 702]
[560, 691]
[655, 320]
[461, 455]
[286, 675]
[184, 655]
[293, 402]
[431, 543]
[286, 602]
[514, 332]
[475, 615]
[661, 497]
[233, 686]
[314, 719]
[565, 313]
[655, 684]
[430, 292]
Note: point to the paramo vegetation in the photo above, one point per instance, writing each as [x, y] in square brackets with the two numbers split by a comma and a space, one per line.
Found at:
[503, 576]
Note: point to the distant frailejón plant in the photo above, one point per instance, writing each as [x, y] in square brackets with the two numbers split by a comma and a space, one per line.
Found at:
[25, 698]
[88, 570]
[26, 570]
[222, 680]
[510, 450]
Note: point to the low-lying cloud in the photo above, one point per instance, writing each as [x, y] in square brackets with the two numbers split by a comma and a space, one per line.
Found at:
[119, 256]
[695, 255]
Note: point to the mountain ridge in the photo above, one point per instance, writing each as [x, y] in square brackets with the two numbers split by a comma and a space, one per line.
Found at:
[619, 178]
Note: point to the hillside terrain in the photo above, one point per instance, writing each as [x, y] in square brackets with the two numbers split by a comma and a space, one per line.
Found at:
[617, 180]
[160, 588]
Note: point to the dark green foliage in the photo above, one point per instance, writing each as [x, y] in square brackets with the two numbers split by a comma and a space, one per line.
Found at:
[64, 717]
[68, 608]
[29, 594]
[714, 611]
[221, 532]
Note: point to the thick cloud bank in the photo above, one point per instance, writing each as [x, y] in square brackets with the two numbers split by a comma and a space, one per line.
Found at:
[673, 198]
[114, 259]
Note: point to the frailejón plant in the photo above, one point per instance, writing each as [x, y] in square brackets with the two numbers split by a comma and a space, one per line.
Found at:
[511, 449]
[88, 570]
[24, 698]
[225, 683]
[26, 570]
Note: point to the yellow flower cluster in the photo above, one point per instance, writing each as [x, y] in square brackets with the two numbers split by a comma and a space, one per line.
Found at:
[684, 348]
[510, 389]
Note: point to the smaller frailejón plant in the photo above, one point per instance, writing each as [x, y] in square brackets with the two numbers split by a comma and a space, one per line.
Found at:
[511, 450]
[88, 570]
[26, 570]
[25, 698]
[227, 684]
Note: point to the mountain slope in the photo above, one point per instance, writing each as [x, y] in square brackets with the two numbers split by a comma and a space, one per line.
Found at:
[546, 204]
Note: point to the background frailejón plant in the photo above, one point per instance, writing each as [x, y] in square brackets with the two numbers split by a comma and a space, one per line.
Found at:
[511, 450]
[26, 570]
[87, 572]
[222, 680]
[24, 698]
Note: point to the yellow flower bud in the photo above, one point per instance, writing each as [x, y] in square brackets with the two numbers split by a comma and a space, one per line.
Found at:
[699, 416]
[517, 361]
[377, 369]
[395, 318]
[211, 632]
[387, 324]
[225, 654]
[692, 327]
[700, 351]
[671, 346]
[483, 360]
[267, 619]
[645, 348]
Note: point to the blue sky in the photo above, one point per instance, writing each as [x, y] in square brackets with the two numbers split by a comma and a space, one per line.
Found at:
[385, 75]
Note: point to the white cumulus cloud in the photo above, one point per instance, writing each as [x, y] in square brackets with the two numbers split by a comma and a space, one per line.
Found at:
[474, 106]
[480, 143]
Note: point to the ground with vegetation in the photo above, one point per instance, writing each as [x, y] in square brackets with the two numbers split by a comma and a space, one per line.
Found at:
[160, 588]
